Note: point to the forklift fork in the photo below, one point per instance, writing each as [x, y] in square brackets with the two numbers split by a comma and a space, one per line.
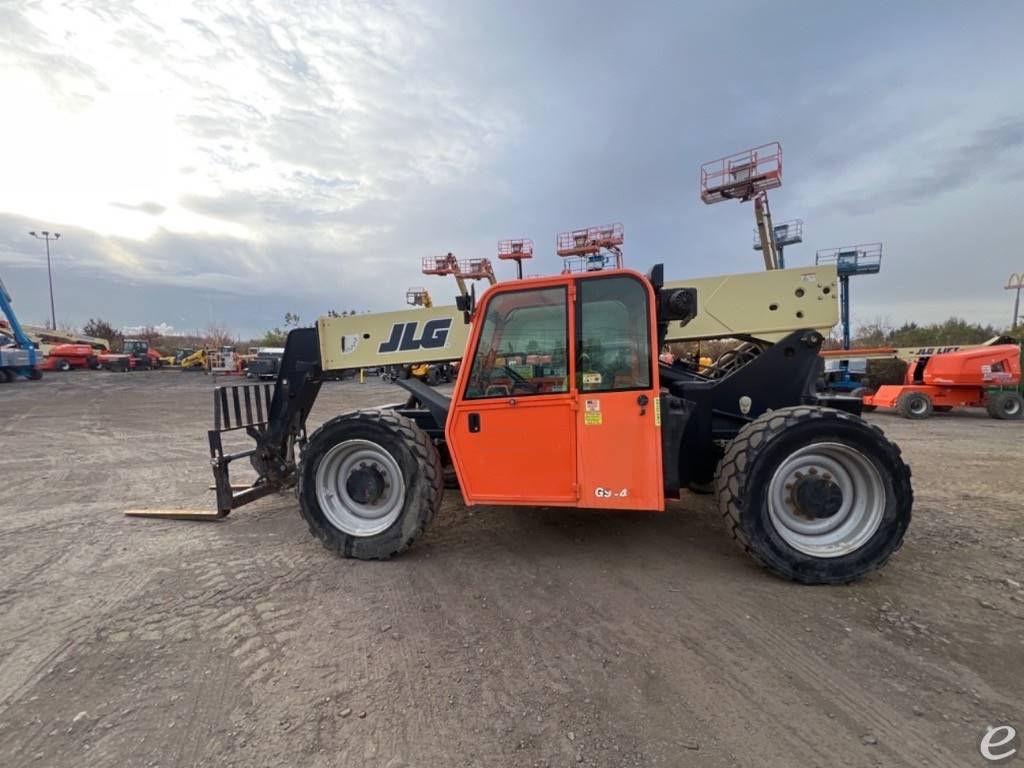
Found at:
[273, 415]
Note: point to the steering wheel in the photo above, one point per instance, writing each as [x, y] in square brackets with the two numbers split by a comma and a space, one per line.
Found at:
[519, 381]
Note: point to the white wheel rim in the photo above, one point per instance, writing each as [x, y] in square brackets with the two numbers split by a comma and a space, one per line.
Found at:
[333, 493]
[1011, 406]
[853, 483]
[918, 406]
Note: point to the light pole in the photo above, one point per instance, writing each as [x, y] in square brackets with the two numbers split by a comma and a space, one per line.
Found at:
[1015, 283]
[48, 236]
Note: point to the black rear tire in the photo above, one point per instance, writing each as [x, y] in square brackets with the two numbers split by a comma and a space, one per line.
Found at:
[914, 405]
[1005, 405]
[63, 365]
[433, 376]
[417, 460]
[6, 376]
[747, 474]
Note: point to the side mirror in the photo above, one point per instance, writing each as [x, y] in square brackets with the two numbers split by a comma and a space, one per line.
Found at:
[466, 303]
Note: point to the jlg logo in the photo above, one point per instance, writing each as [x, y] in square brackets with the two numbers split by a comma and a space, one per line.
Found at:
[403, 336]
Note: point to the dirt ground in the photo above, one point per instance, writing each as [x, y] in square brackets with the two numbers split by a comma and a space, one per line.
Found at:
[518, 637]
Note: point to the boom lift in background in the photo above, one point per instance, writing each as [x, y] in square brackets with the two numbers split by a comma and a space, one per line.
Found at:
[591, 249]
[748, 175]
[461, 269]
[850, 261]
[939, 379]
[418, 297]
[19, 357]
[787, 233]
[516, 250]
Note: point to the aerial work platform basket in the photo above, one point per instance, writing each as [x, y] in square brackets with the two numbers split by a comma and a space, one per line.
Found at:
[580, 242]
[521, 248]
[592, 248]
[853, 259]
[461, 269]
[418, 296]
[516, 250]
[787, 233]
[743, 175]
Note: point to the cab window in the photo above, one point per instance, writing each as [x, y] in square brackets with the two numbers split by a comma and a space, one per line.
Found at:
[522, 347]
[614, 347]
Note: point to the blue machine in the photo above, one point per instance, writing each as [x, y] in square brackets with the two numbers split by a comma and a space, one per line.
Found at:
[18, 359]
[851, 261]
[845, 375]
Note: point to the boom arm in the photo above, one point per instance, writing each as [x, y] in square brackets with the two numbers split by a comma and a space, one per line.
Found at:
[19, 333]
[759, 305]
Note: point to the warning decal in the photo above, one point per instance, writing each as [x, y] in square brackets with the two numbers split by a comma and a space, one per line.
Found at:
[591, 418]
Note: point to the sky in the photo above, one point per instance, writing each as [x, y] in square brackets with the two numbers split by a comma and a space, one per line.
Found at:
[228, 162]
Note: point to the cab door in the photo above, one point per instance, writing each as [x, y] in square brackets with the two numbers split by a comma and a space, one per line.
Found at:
[618, 418]
[512, 427]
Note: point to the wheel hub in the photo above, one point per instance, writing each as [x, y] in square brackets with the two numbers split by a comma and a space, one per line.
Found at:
[816, 497]
[826, 499]
[366, 484]
[360, 487]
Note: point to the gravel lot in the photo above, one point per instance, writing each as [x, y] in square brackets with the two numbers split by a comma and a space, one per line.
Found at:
[523, 637]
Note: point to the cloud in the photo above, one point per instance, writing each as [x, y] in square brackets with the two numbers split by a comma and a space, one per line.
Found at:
[263, 157]
[917, 170]
[150, 208]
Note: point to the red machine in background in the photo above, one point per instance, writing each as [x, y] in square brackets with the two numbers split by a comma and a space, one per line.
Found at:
[981, 377]
[64, 357]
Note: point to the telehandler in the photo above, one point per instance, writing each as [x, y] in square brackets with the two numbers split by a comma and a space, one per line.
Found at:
[561, 401]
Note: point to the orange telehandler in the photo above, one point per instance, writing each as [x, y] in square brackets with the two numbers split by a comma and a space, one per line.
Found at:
[561, 401]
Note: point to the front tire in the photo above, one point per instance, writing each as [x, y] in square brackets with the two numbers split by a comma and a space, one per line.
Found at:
[369, 484]
[1005, 405]
[815, 495]
[914, 405]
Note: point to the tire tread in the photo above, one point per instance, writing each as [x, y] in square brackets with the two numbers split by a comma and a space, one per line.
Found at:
[729, 478]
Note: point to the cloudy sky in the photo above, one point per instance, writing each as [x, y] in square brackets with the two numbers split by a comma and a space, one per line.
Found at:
[231, 161]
